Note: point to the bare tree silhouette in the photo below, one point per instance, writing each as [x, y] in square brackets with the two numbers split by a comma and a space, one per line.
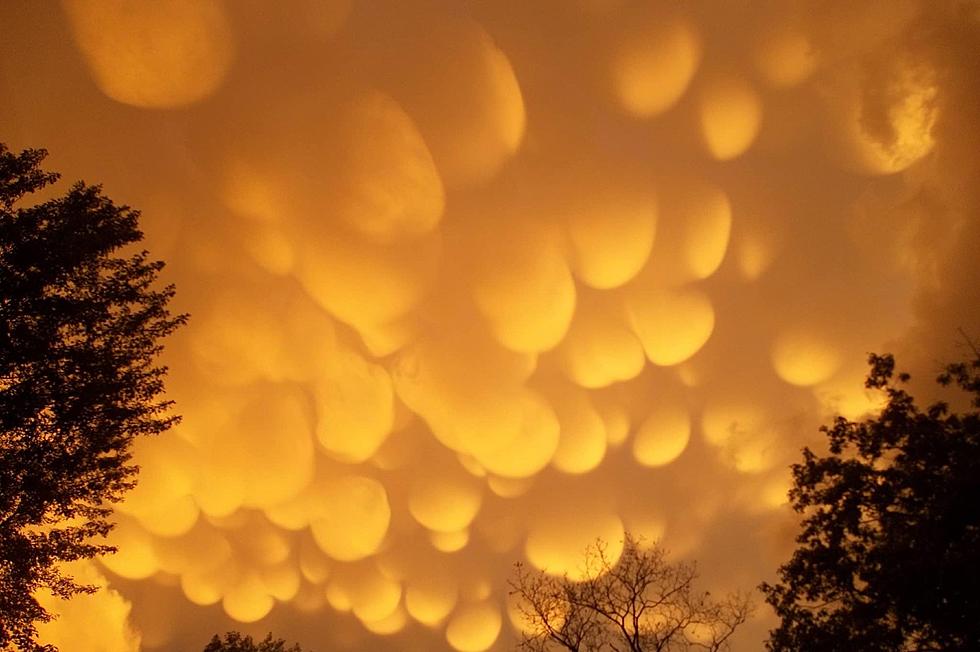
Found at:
[638, 603]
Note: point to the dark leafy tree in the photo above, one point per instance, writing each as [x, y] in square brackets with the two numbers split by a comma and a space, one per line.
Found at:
[235, 642]
[889, 553]
[638, 603]
[80, 330]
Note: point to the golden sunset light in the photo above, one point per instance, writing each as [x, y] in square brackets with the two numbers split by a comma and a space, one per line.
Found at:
[480, 282]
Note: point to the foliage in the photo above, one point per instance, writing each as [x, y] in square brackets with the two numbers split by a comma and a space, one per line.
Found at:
[639, 602]
[80, 327]
[235, 642]
[889, 553]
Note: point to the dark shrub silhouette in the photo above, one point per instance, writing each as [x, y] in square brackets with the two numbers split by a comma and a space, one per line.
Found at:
[80, 329]
[889, 553]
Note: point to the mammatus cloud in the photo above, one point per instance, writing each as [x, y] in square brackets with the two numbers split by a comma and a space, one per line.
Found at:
[97, 622]
[479, 283]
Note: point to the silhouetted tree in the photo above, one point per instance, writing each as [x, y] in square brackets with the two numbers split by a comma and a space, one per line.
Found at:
[889, 553]
[80, 328]
[639, 602]
[235, 642]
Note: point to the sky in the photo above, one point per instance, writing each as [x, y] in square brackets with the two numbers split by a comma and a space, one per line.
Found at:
[478, 282]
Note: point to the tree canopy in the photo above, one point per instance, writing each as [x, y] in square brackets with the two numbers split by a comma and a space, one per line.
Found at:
[637, 603]
[889, 552]
[236, 642]
[80, 330]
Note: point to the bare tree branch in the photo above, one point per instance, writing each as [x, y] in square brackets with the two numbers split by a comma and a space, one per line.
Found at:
[636, 603]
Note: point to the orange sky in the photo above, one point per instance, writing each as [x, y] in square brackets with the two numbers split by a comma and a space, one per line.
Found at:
[479, 282]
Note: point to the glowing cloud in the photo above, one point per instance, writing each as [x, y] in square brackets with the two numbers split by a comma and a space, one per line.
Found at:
[475, 134]
[743, 432]
[889, 128]
[694, 233]
[786, 57]
[89, 623]
[600, 349]
[529, 301]
[355, 405]
[352, 519]
[671, 325]
[802, 357]
[393, 188]
[160, 55]
[447, 502]
[663, 436]
[611, 238]
[431, 597]
[474, 627]
[557, 541]
[653, 65]
[582, 442]
[477, 286]
[731, 113]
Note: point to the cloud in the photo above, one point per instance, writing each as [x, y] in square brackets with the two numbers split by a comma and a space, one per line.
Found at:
[479, 285]
[96, 622]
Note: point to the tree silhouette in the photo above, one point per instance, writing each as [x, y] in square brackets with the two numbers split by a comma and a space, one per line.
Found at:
[80, 328]
[640, 602]
[889, 553]
[236, 642]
